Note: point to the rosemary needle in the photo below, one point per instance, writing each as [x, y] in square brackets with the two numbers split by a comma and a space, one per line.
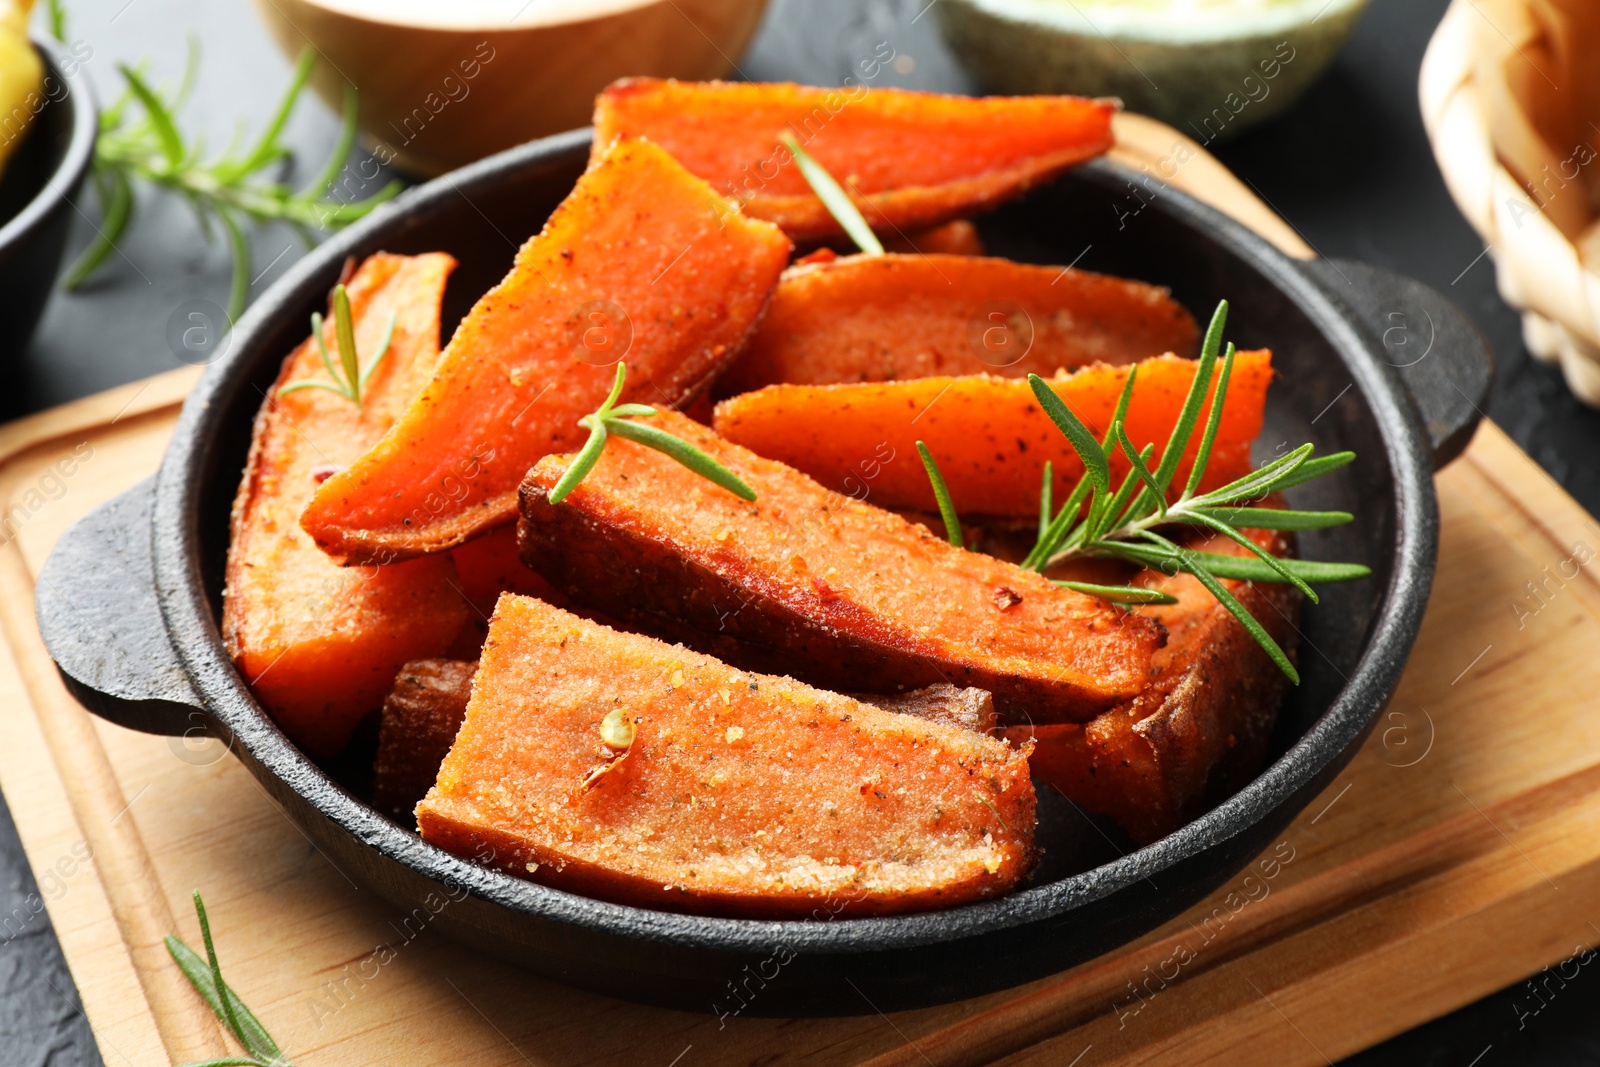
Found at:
[834, 198]
[205, 974]
[610, 420]
[348, 378]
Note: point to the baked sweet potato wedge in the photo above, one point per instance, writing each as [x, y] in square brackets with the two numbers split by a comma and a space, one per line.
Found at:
[910, 159]
[318, 643]
[621, 767]
[988, 434]
[642, 260]
[876, 318]
[1201, 729]
[429, 702]
[807, 582]
[420, 718]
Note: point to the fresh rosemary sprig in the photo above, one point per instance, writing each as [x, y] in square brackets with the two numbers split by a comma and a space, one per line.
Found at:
[349, 378]
[834, 198]
[206, 977]
[229, 189]
[612, 419]
[1123, 522]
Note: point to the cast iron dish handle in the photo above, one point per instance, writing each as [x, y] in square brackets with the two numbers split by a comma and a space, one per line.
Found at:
[97, 611]
[96, 598]
[1444, 362]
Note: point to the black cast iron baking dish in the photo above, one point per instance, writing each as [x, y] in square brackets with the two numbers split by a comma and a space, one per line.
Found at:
[129, 603]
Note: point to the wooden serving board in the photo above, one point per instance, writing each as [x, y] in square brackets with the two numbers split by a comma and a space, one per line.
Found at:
[1457, 854]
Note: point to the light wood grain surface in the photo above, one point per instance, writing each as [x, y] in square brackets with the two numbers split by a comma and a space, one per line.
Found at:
[1457, 854]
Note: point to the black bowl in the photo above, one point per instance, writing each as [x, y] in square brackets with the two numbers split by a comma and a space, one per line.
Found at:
[36, 196]
[129, 602]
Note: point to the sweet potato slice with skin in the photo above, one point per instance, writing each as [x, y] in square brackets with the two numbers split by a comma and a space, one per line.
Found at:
[970, 709]
[877, 318]
[420, 718]
[833, 591]
[1200, 731]
[740, 794]
[638, 234]
[989, 435]
[911, 159]
[318, 643]
[429, 702]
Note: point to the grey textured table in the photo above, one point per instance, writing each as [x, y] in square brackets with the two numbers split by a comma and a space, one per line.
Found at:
[1349, 167]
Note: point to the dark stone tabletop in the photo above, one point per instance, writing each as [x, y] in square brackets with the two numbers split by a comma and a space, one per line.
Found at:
[1349, 167]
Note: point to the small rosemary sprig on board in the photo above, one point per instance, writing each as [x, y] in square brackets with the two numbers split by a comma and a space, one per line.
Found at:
[349, 377]
[612, 419]
[833, 197]
[229, 189]
[206, 977]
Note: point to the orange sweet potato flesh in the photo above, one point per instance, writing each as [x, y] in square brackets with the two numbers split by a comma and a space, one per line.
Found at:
[489, 565]
[642, 261]
[911, 159]
[1201, 729]
[318, 643]
[831, 590]
[988, 434]
[876, 318]
[740, 794]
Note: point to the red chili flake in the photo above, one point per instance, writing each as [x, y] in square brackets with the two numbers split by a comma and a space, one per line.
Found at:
[1006, 598]
[324, 472]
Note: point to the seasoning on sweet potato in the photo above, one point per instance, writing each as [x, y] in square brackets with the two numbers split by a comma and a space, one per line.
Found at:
[642, 260]
[876, 318]
[621, 767]
[1200, 731]
[420, 718]
[988, 434]
[831, 590]
[910, 159]
[318, 643]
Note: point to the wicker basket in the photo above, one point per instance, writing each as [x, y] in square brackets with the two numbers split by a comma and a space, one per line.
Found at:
[1510, 94]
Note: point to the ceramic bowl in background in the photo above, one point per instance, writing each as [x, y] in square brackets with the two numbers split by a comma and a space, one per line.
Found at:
[1212, 68]
[443, 85]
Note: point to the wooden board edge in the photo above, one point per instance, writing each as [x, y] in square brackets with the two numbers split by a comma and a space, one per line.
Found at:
[100, 409]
